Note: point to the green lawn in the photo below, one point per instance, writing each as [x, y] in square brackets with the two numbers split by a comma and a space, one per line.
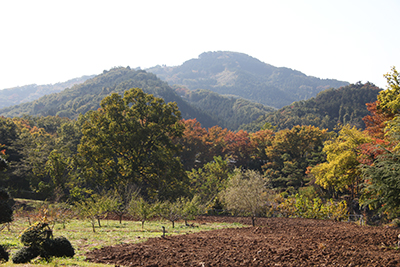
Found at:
[82, 238]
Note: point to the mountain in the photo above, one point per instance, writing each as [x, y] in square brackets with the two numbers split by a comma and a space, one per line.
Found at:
[17, 95]
[229, 111]
[87, 96]
[326, 110]
[231, 73]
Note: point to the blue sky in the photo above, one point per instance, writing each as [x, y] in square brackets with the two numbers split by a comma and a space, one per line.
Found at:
[46, 42]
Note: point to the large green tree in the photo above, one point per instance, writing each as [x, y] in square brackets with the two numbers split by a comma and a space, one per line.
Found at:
[208, 181]
[291, 152]
[382, 184]
[129, 140]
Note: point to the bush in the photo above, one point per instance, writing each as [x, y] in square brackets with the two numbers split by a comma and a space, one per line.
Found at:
[38, 241]
[57, 247]
[3, 254]
[35, 235]
[25, 254]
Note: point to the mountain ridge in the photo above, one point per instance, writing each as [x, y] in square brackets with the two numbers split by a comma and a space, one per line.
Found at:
[234, 73]
[26, 93]
[344, 105]
[87, 96]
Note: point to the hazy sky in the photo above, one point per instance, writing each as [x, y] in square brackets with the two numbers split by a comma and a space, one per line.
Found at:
[52, 41]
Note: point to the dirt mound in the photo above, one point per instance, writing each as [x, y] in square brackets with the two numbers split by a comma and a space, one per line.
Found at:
[276, 242]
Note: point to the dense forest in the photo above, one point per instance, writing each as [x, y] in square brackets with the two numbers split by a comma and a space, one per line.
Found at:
[229, 112]
[139, 139]
[81, 98]
[133, 139]
[231, 73]
[346, 105]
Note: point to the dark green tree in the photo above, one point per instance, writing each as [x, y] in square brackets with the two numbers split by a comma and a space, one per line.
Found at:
[129, 140]
[382, 184]
[208, 181]
[291, 152]
[6, 211]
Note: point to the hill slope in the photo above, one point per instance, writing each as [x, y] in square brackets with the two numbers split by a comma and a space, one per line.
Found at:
[88, 95]
[229, 112]
[17, 95]
[332, 106]
[244, 76]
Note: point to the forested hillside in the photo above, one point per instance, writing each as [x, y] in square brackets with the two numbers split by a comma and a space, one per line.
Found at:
[17, 95]
[346, 105]
[244, 76]
[81, 98]
[229, 112]
[139, 141]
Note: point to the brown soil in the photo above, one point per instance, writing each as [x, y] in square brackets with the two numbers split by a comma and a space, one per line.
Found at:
[274, 242]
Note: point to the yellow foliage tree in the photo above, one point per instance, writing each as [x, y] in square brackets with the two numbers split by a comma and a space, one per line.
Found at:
[341, 171]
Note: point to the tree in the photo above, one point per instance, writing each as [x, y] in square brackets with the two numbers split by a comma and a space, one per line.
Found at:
[239, 148]
[341, 171]
[170, 210]
[6, 210]
[129, 140]
[122, 196]
[194, 148]
[375, 123]
[208, 181]
[389, 100]
[382, 177]
[3, 162]
[141, 209]
[191, 208]
[291, 152]
[382, 184]
[93, 208]
[58, 167]
[246, 193]
[261, 140]
[34, 145]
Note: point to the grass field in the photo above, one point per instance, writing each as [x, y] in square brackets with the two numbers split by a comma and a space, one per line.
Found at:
[82, 238]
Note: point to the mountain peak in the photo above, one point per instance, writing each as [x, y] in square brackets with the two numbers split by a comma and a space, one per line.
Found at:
[234, 73]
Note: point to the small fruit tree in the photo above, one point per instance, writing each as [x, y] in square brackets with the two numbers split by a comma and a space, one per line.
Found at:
[246, 193]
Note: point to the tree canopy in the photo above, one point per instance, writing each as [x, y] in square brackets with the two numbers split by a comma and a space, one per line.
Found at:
[129, 141]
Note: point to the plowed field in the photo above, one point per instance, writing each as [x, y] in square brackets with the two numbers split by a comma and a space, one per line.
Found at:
[274, 242]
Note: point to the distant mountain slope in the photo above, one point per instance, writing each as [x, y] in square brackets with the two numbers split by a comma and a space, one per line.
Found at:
[332, 106]
[17, 95]
[241, 75]
[230, 112]
[88, 95]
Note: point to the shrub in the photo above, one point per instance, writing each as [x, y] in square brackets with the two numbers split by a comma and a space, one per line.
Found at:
[25, 254]
[38, 241]
[3, 254]
[35, 235]
[57, 247]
